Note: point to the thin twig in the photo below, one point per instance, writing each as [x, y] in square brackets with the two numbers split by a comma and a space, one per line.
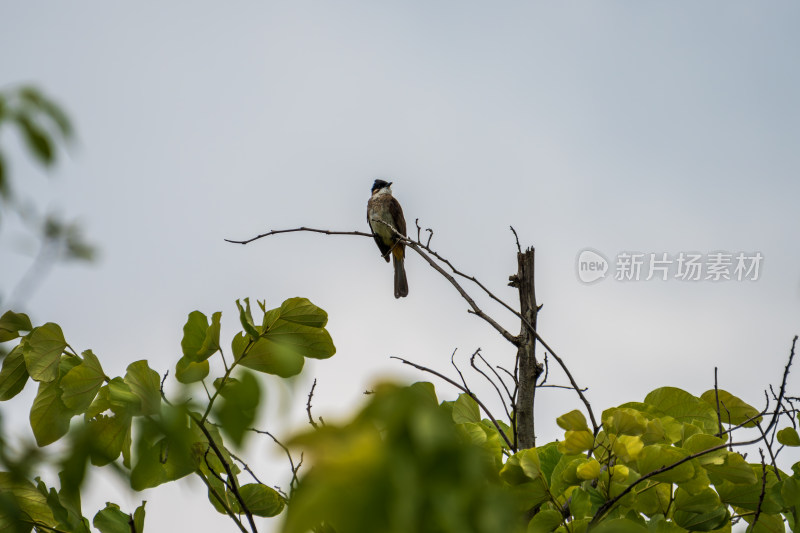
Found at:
[516, 238]
[769, 449]
[308, 405]
[496, 388]
[500, 379]
[453, 362]
[547, 372]
[716, 398]
[246, 467]
[288, 454]
[763, 490]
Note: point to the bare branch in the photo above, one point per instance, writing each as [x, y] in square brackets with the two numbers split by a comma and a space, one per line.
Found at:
[516, 238]
[475, 309]
[418, 246]
[278, 231]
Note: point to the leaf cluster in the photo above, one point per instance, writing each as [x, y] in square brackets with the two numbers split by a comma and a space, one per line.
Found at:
[128, 422]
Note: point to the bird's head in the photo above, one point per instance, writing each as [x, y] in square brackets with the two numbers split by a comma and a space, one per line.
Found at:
[380, 185]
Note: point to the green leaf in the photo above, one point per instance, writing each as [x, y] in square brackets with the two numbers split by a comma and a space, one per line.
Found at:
[217, 490]
[138, 518]
[37, 139]
[187, 371]
[790, 492]
[683, 407]
[789, 437]
[23, 495]
[656, 456]
[549, 456]
[305, 340]
[702, 502]
[144, 383]
[576, 442]
[580, 504]
[747, 496]
[619, 525]
[164, 449]
[266, 355]
[246, 318]
[522, 467]
[557, 483]
[425, 389]
[108, 434]
[302, 311]
[732, 410]
[200, 340]
[239, 345]
[702, 442]
[653, 499]
[767, 523]
[12, 323]
[101, 403]
[733, 469]
[49, 416]
[13, 375]
[42, 349]
[112, 520]
[5, 186]
[261, 500]
[545, 521]
[465, 409]
[80, 385]
[572, 421]
[65, 516]
[237, 411]
[624, 421]
[588, 470]
[122, 398]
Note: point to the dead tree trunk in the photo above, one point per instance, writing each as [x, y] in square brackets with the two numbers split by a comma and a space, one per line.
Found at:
[528, 369]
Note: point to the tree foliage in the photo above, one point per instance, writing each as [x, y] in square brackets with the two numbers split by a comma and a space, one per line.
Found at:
[405, 462]
[128, 421]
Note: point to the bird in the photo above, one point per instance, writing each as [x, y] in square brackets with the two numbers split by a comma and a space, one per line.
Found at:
[383, 214]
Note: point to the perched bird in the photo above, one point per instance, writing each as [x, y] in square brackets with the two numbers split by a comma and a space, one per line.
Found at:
[383, 211]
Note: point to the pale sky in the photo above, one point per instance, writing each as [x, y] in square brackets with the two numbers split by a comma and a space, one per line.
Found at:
[657, 127]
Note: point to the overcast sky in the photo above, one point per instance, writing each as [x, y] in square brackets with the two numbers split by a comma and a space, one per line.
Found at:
[652, 127]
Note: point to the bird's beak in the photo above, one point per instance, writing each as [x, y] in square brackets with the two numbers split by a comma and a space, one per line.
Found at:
[390, 184]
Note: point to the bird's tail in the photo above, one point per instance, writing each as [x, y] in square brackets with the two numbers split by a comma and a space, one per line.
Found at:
[400, 281]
